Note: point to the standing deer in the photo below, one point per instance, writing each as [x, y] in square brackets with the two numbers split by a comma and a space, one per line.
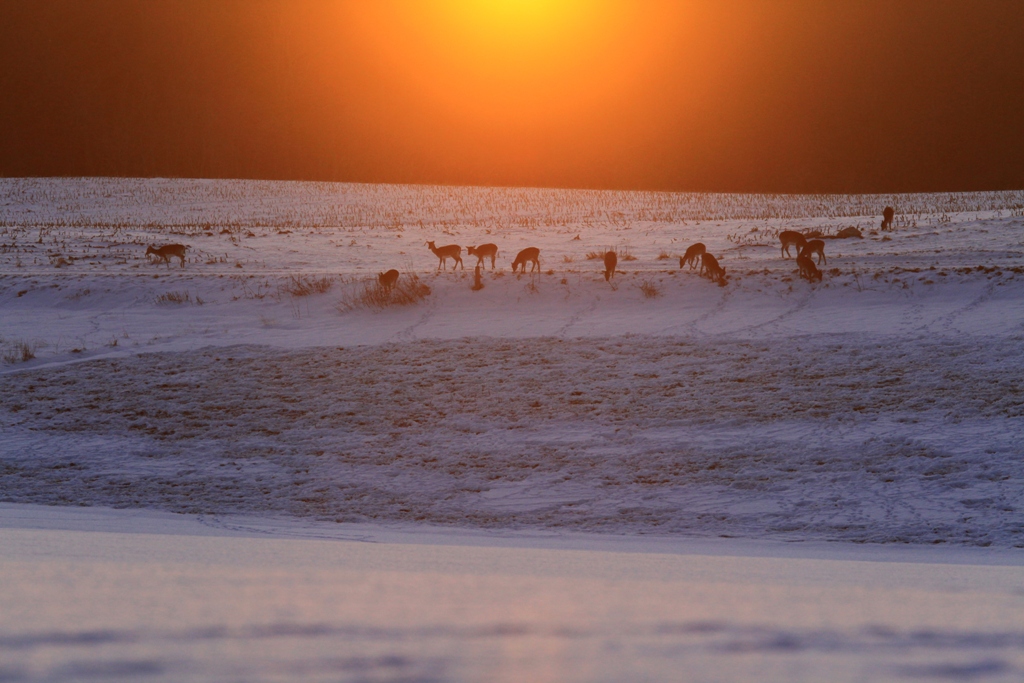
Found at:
[692, 255]
[709, 265]
[387, 280]
[610, 261]
[790, 238]
[167, 251]
[815, 247]
[483, 252]
[529, 255]
[887, 216]
[451, 251]
[808, 270]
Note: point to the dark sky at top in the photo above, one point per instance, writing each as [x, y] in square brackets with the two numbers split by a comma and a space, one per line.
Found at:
[736, 95]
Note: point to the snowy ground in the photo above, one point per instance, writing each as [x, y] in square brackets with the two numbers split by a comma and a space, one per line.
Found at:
[882, 405]
[91, 594]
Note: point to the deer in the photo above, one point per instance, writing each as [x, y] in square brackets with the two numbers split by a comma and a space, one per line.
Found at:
[808, 270]
[483, 252]
[887, 216]
[709, 265]
[388, 280]
[529, 255]
[790, 238]
[849, 232]
[167, 251]
[815, 247]
[692, 255]
[451, 251]
[610, 261]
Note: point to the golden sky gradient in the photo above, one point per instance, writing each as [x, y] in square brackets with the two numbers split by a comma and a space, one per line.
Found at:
[744, 95]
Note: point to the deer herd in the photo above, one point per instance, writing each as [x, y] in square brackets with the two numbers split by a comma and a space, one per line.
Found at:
[694, 255]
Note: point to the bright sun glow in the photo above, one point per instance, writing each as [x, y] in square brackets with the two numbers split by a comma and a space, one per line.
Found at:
[513, 19]
[512, 30]
[516, 63]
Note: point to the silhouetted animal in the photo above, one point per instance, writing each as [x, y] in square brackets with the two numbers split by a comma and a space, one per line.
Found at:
[167, 251]
[484, 251]
[808, 270]
[846, 233]
[529, 255]
[451, 251]
[887, 216]
[692, 255]
[611, 259]
[790, 238]
[387, 280]
[709, 266]
[815, 247]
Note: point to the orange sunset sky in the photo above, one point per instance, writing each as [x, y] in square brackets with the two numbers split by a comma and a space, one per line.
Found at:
[715, 95]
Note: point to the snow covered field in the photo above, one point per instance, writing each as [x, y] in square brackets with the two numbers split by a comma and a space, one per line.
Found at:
[553, 477]
[92, 594]
[881, 405]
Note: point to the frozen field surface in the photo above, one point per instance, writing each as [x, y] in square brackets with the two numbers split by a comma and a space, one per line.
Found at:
[886, 441]
[880, 405]
[94, 594]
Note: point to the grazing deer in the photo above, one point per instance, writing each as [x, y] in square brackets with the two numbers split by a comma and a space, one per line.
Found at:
[483, 252]
[167, 251]
[846, 233]
[709, 265]
[611, 259]
[808, 270]
[815, 247]
[529, 255]
[692, 255]
[451, 251]
[790, 238]
[887, 216]
[387, 280]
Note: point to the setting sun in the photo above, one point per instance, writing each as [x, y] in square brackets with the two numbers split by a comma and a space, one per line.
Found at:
[523, 64]
[514, 23]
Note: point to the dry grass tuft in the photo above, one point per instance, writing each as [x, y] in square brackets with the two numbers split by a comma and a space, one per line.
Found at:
[304, 285]
[649, 289]
[664, 256]
[621, 251]
[407, 291]
[174, 298]
[19, 350]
